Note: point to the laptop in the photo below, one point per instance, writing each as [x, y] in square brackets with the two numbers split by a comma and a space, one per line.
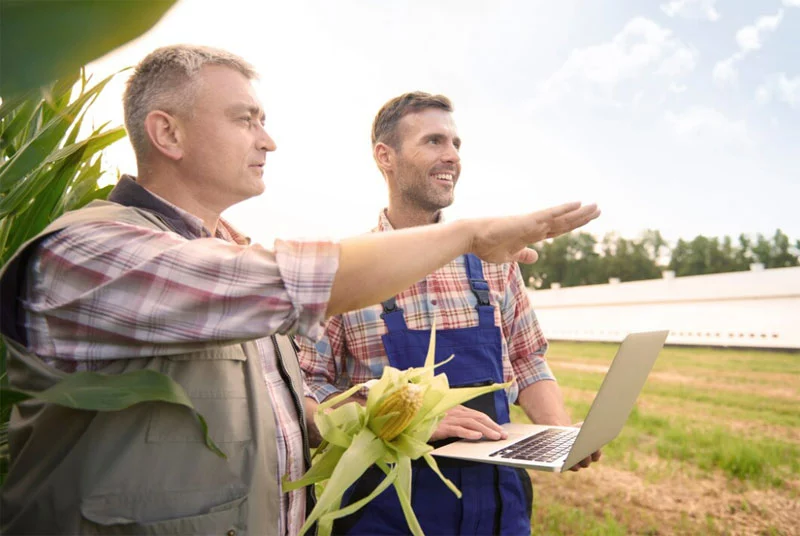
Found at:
[558, 448]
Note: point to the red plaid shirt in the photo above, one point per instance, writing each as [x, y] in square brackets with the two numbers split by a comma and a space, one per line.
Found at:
[351, 350]
[103, 291]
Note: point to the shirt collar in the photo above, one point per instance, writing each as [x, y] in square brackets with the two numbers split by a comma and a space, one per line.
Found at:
[385, 225]
[130, 194]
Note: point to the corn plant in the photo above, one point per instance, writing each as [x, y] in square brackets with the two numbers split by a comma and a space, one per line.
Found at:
[46, 168]
[402, 411]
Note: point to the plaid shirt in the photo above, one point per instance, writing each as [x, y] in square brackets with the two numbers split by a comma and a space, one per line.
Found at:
[351, 350]
[103, 291]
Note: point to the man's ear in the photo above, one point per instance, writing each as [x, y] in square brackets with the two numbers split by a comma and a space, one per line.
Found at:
[384, 156]
[165, 134]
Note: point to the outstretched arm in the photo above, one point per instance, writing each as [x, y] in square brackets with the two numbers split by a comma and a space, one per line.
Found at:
[375, 266]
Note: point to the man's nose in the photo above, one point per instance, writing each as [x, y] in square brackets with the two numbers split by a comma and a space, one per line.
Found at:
[451, 155]
[265, 141]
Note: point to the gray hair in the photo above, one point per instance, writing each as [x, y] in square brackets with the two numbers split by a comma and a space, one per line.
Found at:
[167, 80]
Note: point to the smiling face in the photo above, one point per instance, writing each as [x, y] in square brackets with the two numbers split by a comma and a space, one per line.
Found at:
[426, 162]
[225, 142]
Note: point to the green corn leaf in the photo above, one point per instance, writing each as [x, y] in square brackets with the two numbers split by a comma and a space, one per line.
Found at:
[33, 220]
[403, 487]
[365, 450]
[17, 124]
[98, 193]
[92, 144]
[32, 155]
[24, 192]
[459, 395]
[338, 398]
[422, 431]
[437, 388]
[6, 224]
[11, 397]
[435, 467]
[326, 521]
[409, 446]
[331, 425]
[9, 105]
[431, 357]
[112, 392]
[30, 187]
[57, 93]
[45, 40]
[389, 378]
[322, 469]
[84, 183]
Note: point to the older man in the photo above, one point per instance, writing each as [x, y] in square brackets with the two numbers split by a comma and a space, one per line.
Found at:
[483, 317]
[155, 279]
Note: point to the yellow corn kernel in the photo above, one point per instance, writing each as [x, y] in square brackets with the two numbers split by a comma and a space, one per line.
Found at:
[406, 401]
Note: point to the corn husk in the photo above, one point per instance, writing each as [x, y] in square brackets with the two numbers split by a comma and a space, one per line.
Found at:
[352, 440]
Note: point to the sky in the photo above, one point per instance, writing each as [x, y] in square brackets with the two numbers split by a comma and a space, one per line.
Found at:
[678, 115]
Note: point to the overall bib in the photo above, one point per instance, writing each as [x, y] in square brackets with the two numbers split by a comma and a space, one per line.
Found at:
[496, 500]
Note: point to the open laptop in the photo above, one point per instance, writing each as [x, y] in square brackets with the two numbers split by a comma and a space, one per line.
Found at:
[558, 448]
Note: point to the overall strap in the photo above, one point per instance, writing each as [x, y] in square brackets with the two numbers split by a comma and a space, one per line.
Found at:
[480, 288]
[392, 315]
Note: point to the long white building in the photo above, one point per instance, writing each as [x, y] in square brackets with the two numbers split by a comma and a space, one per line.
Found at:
[758, 308]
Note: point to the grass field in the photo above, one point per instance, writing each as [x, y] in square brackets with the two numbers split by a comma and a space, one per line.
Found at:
[713, 447]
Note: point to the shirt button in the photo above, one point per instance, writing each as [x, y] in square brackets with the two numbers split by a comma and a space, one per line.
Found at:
[433, 302]
[231, 533]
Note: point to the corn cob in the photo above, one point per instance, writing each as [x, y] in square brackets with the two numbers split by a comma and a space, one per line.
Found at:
[406, 401]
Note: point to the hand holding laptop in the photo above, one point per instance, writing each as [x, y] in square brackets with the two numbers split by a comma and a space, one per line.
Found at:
[586, 462]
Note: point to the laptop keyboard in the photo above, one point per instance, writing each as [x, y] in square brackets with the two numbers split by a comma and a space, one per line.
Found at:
[546, 446]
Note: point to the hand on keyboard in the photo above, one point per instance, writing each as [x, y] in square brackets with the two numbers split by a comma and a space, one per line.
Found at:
[468, 423]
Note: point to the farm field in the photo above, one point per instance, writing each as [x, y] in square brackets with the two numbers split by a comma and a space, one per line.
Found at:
[712, 447]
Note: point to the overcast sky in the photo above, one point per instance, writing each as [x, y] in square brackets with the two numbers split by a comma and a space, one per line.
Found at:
[682, 116]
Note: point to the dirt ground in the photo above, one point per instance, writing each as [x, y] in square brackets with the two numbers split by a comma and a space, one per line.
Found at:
[676, 503]
[662, 497]
[777, 390]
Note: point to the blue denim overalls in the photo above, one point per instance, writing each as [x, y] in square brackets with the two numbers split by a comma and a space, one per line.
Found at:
[496, 500]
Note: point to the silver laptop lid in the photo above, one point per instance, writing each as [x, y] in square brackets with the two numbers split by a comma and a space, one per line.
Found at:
[618, 393]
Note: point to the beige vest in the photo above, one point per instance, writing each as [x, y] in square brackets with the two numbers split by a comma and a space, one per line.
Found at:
[146, 469]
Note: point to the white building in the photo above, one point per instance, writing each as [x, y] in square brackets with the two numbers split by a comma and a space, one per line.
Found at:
[759, 308]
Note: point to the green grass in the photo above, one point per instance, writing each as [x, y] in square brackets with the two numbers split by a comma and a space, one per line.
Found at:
[725, 416]
[687, 358]
[693, 431]
[764, 462]
[560, 520]
[773, 410]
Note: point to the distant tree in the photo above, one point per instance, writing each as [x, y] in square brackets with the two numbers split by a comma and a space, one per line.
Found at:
[744, 254]
[729, 254]
[782, 255]
[680, 258]
[657, 248]
[579, 259]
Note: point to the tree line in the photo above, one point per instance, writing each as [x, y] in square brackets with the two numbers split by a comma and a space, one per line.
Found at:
[581, 259]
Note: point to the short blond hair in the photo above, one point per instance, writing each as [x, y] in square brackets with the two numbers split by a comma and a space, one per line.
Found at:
[167, 80]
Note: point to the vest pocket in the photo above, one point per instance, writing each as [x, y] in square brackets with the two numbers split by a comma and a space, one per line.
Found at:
[227, 518]
[216, 381]
[227, 421]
